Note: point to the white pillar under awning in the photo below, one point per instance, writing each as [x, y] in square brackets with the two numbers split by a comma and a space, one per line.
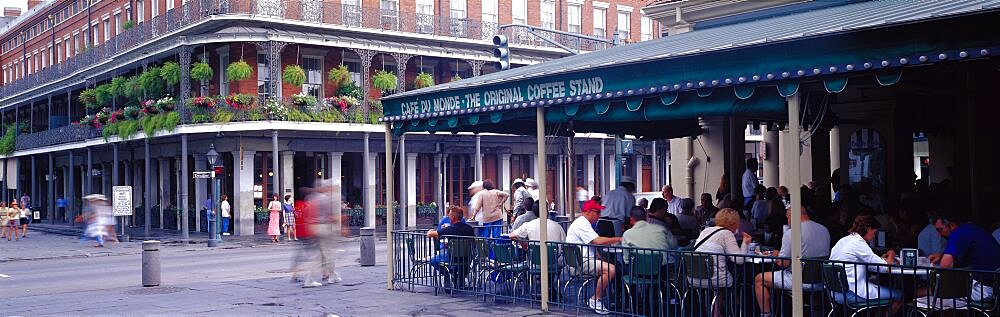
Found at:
[389, 212]
[792, 166]
[542, 224]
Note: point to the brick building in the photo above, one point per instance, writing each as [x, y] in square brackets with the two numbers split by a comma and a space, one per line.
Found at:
[72, 128]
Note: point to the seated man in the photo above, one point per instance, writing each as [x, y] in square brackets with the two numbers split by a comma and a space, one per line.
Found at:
[457, 228]
[648, 234]
[531, 230]
[581, 231]
[815, 244]
[659, 214]
[969, 247]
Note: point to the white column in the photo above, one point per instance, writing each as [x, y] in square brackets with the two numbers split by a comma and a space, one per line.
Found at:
[560, 198]
[478, 158]
[410, 187]
[771, 161]
[638, 173]
[370, 192]
[334, 171]
[200, 189]
[796, 210]
[288, 173]
[835, 153]
[105, 179]
[533, 170]
[404, 198]
[590, 173]
[612, 181]
[505, 179]
[784, 174]
[655, 182]
[242, 202]
[164, 184]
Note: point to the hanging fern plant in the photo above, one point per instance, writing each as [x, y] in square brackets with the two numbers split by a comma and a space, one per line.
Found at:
[118, 86]
[238, 70]
[384, 81]
[132, 88]
[201, 71]
[171, 73]
[423, 80]
[152, 83]
[456, 78]
[294, 75]
[104, 96]
[339, 76]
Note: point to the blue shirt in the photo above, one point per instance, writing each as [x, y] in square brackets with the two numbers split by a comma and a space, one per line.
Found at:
[973, 248]
[930, 242]
[445, 221]
[618, 203]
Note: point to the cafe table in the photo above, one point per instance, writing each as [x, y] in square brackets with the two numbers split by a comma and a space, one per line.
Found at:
[908, 275]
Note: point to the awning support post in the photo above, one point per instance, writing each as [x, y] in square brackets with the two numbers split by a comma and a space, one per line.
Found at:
[542, 212]
[389, 262]
[792, 166]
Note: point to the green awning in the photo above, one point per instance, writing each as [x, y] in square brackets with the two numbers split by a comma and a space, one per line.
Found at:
[635, 89]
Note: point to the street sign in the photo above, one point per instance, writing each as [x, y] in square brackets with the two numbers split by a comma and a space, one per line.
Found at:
[626, 146]
[122, 200]
[204, 174]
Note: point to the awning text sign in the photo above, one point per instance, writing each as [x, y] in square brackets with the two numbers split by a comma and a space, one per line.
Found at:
[503, 96]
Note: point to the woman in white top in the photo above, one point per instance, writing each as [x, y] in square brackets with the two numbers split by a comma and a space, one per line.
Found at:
[854, 248]
[720, 239]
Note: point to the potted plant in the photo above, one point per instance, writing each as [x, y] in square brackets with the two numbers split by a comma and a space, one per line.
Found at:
[339, 76]
[131, 112]
[201, 71]
[201, 102]
[384, 81]
[241, 101]
[118, 86]
[456, 78]
[171, 73]
[423, 80]
[149, 108]
[128, 25]
[304, 100]
[104, 96]
[88, 96]
[151, 81]
[294, 75]
[238, 70]
[166, 103]
[275, 110]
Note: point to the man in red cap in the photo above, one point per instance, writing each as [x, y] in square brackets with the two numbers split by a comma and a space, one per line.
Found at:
[581, 231]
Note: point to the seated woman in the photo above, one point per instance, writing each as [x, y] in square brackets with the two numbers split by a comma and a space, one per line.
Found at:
[854, 248]
[721, 239]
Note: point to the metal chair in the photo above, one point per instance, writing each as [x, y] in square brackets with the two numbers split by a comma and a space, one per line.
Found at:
[989, 304]
[699, 267]
[416, 261]
[835, 280]
[812, 284]
[945, 288]
[459, 260]
[644, 272]
[506, 267]
[535, 264]
[573, 257]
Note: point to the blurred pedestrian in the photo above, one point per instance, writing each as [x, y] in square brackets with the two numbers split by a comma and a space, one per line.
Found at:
[8, 220]
[61, 205]
[25, 219]
[25, 201]
[489, 207]
[91, 209]
[289, 210]
[274, 218]
[315, 224]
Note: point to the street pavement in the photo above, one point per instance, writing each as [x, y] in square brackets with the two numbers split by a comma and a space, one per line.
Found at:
[56, 275]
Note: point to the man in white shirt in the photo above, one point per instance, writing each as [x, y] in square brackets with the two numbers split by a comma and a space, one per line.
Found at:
[582, 196]
[815, 244]
[673, 202]
[532, 230]
[749, 180]
[226, 214]
[582, 232]
[474, 190]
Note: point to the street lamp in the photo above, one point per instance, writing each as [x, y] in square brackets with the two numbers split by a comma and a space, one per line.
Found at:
[215, 237]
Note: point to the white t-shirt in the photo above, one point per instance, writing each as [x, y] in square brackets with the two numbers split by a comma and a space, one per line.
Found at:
[225, 209]
[853, 248]
[530, 231]
[472, 202]
[581, 232]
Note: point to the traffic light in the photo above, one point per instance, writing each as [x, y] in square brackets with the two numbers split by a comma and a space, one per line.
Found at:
[501, 51]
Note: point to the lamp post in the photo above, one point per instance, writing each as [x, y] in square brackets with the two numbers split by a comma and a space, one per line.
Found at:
[215, 237]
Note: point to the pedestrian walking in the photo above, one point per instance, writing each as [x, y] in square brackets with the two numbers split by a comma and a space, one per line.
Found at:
[25, 201]
[315, 224]
[289, 210]
[226, 214]
[94, 229]
[25, 218]
[61, 205]
[274, 218]
[9, 218]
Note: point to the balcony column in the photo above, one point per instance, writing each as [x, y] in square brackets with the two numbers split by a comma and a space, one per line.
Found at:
[404, 198]
[48, 121]
[369, 183]
[561, 190]
[439, 182]
[366, 68]
[505, 180]
[478, 159]
[401, 61]
[771, 150]
[89, 182]
[164, 184]
[287, 174]
[69, 106]
[50, 189]
[34, 182]
[147, 189]
[183, 188]
[242, 201]
[274, 168]
[411, 189]
[200, 188]
[335, 173]
[184, 53]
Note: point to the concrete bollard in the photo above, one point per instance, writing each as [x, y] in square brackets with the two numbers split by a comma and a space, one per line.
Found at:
[367, 246]
[151, 263]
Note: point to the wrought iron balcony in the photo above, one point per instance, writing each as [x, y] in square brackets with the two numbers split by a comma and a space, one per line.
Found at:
[308, 11]
[66, 134]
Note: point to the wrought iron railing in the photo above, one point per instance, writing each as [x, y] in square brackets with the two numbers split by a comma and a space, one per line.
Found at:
[308, 11]
[65, 134]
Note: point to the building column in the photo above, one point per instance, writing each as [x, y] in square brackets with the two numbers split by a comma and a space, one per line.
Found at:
[200, 189]
[770, 162]
[70, 192]
[410, 189]
[288, 173]
[404, 197]
[589, 170]
[533, 169]
[242, 202]
[335, 173]
[639, 181]
[275, 166]
[184, 57]
[50, 176]
[89, 177]
[185, 180]
[835, 155]
[505, 180]
[34, 182]
[604, 172]
[561, 184]
[147, 202]
[368, 162]
[105, 180]
[655, 182]
[439, 181]
[478, 158]
[736, 158]
[164, 186]
[611, 177]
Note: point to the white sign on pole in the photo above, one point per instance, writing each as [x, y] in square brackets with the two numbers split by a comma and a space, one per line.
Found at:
[122, 200]
[210, 174]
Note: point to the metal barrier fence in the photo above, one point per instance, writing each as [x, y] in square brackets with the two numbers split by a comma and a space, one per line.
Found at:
[647, 282]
